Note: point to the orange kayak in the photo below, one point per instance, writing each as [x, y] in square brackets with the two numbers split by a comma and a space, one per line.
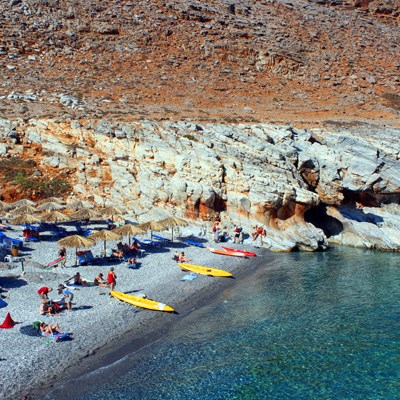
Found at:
[226, 253]
[245, 252]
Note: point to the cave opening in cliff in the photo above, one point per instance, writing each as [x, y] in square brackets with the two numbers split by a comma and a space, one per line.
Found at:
[360, 198]
[369, 199]
[319, 218]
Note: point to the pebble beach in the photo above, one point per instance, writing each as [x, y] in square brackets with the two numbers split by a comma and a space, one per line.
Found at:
[29, 363]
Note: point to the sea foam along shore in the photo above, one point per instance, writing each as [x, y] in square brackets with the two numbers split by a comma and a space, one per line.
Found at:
[97, 320]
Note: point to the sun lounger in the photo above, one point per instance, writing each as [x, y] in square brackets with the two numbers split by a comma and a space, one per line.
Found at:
[87, 257]
[147, 242]
[161, 238]
[193, 243]
[10, 242]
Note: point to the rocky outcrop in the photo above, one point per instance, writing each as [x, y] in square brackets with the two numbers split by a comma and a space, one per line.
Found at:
[277, 176]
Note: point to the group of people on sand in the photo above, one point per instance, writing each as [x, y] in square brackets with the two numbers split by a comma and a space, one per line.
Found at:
[125, 250]
[258, 232]
[54, 307]
[221, 234]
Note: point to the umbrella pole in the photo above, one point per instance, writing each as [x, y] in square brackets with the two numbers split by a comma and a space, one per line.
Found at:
[105, 248]
[172, 237]
[76, 256]
[129, 238]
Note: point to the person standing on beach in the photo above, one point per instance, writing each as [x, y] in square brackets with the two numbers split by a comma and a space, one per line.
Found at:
[112, 278]
[43, 292]
[68, 295]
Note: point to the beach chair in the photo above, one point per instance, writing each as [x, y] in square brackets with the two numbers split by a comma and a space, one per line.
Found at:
[87, 257]
[147, 242]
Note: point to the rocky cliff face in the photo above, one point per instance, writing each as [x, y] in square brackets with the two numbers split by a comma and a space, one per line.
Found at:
[302, 184]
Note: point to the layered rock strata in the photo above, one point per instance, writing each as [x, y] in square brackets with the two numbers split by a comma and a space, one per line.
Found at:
[296, 182]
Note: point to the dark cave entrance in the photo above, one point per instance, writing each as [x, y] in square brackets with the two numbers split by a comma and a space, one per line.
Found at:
[320, 219]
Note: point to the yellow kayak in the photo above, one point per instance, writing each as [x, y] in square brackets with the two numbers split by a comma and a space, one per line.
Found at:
[198, 269]
[140, 302]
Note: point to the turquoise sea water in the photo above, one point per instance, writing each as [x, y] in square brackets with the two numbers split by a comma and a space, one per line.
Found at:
[302, 326]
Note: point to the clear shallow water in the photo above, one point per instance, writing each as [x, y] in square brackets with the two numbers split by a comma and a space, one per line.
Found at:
[303, 326]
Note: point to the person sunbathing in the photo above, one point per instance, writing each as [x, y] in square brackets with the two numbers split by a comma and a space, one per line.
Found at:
[47, 309]
[132, 263]
[51, 329]
[77, 280]
[100, 281]
[117, 253]
[183, 258]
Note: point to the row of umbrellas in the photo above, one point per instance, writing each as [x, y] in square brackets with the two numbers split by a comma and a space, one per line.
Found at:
[24, 215]
[77, 241]
[50, 203]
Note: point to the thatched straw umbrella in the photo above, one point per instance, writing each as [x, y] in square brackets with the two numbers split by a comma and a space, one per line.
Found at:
[77, 242]
[50, 206]
[151, 226]
[129, 230]
[4, 206]
[111, 211]
[86, 214]
[173, 222]
[54, 216]
[105, 235]
[22, 202]
[24, 210]
[78, 205]
[52, 200]
[24, 219]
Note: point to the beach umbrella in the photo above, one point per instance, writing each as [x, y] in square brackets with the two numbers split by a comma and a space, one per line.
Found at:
[24, 210]
[153, 226]
[78, 205]
[129, 230]
[111, 211]
[105, 235]
[50, 206]
[22, 202]
[86, 214]
[24, 219]
[54, 216]
[57, 200]
[77, 242]
[173, 222]
[4, 206]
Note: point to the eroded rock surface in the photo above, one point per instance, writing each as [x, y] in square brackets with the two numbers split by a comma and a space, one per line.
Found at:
[277, 176]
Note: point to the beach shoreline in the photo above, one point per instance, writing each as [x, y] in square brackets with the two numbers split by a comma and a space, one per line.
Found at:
[86, 376]
[102, 326]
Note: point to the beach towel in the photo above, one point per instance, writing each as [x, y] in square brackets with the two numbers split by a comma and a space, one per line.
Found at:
[189, 277]
[54, 264]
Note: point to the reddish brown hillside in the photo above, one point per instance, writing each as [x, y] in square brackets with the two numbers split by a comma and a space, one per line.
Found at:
[216, 60]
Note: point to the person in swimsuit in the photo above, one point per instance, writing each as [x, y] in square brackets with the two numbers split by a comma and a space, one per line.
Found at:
[100, 281]
[112, 278]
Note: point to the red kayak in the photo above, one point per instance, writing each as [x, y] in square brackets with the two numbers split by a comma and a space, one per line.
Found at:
[226, 253]
[246, 253]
